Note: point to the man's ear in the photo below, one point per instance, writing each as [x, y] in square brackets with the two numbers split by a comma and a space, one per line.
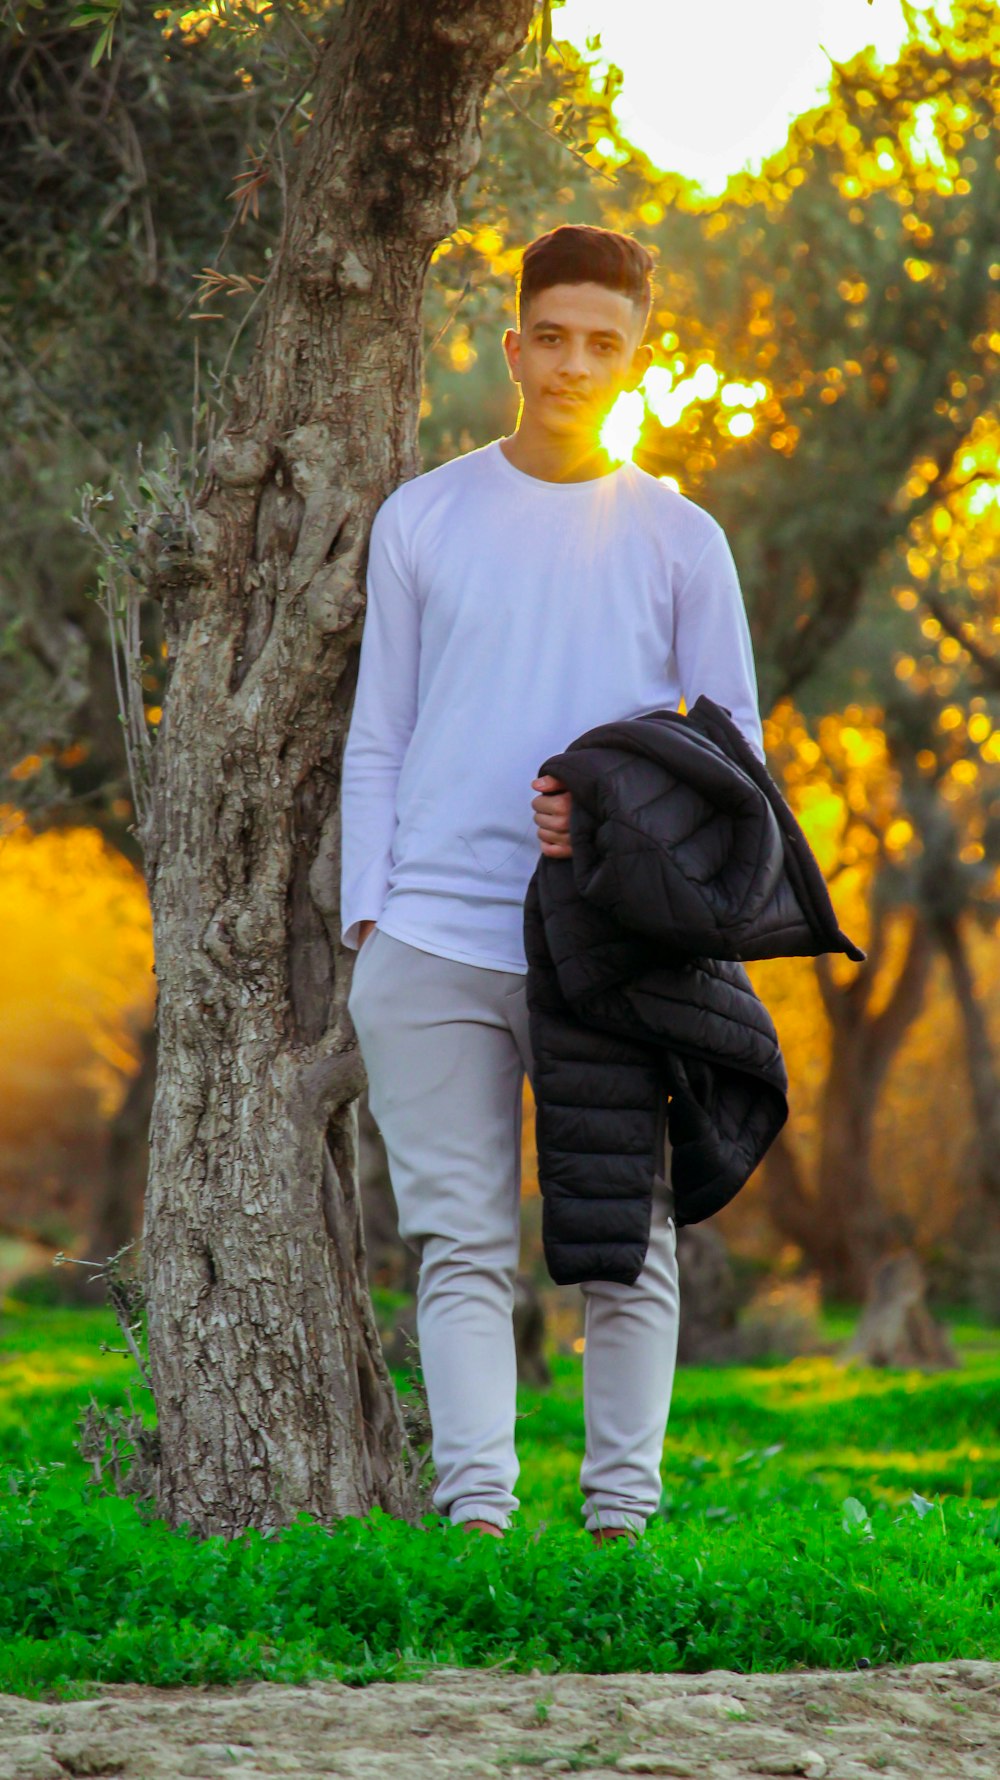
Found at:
[642, 358]
[512, 353]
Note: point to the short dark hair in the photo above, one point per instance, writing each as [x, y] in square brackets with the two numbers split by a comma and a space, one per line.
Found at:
[577, 253]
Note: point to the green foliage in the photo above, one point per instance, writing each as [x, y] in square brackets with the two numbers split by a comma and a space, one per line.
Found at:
[859, 295]
[856, 278]
[140, 215]
[105, 15]
[798, 1526]
[119, 173]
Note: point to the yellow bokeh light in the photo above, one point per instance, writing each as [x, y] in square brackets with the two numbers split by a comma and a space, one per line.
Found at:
[898, 834]
[197, 21]
[667, 394]
[668, 399]
[489, 241]
[858, 749]
[78, 984]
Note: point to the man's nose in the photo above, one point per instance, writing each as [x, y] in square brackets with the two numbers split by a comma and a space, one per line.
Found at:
[574, 367]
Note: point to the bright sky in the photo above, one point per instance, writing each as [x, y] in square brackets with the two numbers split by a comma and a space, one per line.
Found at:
[711, 86]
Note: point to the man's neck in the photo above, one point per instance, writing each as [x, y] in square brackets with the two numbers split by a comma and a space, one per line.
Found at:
[555, 457]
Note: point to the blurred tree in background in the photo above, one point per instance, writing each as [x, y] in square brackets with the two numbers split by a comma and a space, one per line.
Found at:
[827, 338]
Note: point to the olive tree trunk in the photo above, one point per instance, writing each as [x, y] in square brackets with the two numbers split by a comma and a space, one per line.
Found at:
[271, 1391]
[975, 1234]
[844, 1226]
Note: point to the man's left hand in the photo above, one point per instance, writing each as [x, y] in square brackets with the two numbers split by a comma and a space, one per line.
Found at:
[551, 809]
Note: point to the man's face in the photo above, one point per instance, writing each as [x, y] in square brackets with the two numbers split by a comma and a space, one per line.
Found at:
[577, 349]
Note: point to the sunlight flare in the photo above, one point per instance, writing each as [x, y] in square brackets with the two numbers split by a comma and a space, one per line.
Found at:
[621, 430]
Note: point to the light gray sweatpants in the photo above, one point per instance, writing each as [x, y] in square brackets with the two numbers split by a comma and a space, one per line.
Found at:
[446, 1045]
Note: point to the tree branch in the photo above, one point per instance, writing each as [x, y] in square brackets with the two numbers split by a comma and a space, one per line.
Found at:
[888, 1028]
[987, 664]
[832, 997]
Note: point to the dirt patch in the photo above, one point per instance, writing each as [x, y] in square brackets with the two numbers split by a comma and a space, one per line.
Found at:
[935, 1721]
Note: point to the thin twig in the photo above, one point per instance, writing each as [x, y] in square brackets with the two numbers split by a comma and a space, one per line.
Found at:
[290, 19]
[470, 285]
[263, 162]
[133, 1349]
[220, 381]
[108, 603]
[133, 665]
[194, 399]
[546, 130]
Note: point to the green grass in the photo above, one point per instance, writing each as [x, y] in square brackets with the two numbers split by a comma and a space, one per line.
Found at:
[752, 1561]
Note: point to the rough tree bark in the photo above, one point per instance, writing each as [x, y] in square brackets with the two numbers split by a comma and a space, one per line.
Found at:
[271, 1391]
[844, 1227]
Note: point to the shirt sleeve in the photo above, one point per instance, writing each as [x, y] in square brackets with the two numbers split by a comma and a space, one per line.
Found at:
[712, 644]
[382, 721]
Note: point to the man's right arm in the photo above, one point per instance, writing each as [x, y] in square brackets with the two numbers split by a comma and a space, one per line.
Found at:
[382, 722]
[713, 648]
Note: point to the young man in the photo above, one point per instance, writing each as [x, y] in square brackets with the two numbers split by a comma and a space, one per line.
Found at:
[517, 596]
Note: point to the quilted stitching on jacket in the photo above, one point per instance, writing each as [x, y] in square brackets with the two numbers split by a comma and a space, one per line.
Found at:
[686, 860]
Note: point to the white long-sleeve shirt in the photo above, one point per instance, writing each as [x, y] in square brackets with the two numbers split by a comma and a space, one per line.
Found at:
[507, 614]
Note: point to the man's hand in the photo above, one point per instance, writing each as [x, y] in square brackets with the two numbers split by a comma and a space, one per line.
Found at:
[551, 809]
[364, 929]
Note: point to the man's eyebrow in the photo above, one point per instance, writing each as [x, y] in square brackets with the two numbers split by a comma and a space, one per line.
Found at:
[557, 327]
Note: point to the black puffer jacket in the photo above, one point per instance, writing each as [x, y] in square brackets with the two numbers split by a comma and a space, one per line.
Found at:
[686, 859]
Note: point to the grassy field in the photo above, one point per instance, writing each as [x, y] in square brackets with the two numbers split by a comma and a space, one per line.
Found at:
[811, 1515]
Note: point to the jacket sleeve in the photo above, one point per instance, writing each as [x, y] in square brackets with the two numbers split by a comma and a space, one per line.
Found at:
[712, 645]
[382, 721]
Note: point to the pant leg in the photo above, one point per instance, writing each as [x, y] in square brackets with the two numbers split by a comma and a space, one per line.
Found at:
[444, 1085]
[630, 1353]
[629, 1357]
